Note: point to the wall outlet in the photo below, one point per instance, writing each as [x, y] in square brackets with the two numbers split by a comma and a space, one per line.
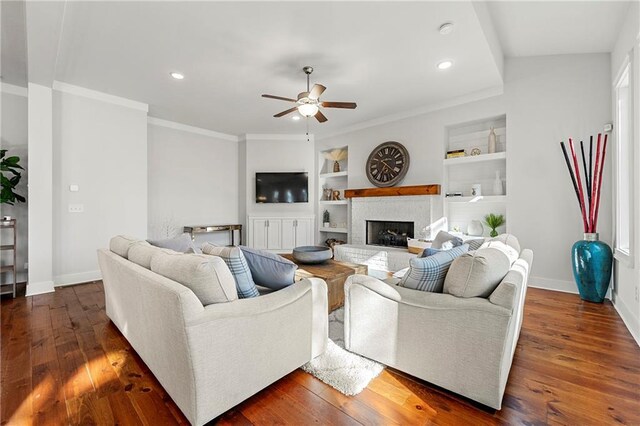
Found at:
[76, 208]
[26, 265]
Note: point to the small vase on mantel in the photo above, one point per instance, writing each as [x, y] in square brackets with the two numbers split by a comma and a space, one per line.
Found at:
[492, 141]
[497, 184]
[591, 261]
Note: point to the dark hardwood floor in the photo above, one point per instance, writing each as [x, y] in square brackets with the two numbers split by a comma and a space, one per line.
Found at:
[63, 362]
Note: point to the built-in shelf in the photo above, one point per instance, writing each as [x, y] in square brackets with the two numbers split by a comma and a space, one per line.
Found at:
[335, 202]
[475, 158]
[479, 199]
[333, 174]
[472, 136]
[334, 230]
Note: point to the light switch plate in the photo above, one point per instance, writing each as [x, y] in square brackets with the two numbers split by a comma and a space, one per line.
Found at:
[76, 208]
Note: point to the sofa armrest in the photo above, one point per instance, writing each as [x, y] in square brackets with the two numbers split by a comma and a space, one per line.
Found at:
[509, 292]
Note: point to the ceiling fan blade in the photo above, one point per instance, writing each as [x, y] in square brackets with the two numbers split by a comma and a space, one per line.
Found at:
[289, 111]
[279, 98]
[316, 91]
[347, 105]
[320, 117]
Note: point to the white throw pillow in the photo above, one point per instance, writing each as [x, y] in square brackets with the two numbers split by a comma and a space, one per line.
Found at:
[509, 251]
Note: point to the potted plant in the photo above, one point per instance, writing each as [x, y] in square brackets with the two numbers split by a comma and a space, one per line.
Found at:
[325, 219]
[493, 221]
[10, 177]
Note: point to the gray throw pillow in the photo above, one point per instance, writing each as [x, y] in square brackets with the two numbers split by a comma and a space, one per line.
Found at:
[268, 269]
[477, 273]
[182, 244]
[428, 273]
[237, 263]
[208, 277]
[443, 237]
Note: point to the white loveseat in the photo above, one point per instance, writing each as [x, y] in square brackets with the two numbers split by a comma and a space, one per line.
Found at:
[465, 345]
[210, 358]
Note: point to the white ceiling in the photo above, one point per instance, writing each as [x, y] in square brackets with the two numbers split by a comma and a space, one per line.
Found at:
[382, 55]
[531, 28]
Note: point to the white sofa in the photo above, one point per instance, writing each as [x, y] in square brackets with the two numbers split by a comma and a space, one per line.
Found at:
[210, 358]
[465, 345]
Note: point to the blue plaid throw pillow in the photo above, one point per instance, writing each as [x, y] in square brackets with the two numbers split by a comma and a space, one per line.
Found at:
[236, 262]
[428, 273]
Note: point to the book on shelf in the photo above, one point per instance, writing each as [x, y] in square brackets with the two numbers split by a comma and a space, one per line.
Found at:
[456, 153]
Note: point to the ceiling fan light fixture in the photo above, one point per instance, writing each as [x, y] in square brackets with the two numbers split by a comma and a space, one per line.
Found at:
[445, 64]
[308, 110]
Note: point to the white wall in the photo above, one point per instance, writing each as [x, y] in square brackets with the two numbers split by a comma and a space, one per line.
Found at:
[549, 99]
[278, 153]
[546, 99]
[40, 194]
[102, 147]
[14, 139]
[627, 275]
[193, 180]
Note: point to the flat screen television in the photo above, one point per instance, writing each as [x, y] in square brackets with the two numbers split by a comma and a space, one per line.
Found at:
[287, 187]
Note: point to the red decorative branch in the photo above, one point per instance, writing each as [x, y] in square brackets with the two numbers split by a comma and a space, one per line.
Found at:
[576, 166]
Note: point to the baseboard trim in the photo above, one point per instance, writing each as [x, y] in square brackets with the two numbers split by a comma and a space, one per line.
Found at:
[41, 287]
[81, 277]
[553, 284]
[632, 323]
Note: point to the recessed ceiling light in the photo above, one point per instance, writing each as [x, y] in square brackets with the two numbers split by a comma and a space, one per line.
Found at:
[295, 117]
[444, 65]
[446, 28]
[177, 75]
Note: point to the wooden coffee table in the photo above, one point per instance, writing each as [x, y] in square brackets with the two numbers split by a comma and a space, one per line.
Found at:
[334, 273]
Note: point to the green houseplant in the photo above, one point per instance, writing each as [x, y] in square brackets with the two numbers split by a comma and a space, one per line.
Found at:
[493, 221]
[10, 177]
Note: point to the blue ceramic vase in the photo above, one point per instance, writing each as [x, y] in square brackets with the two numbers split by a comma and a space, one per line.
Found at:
[591, 261]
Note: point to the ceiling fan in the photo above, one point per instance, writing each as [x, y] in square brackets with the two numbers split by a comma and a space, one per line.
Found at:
[308, 103]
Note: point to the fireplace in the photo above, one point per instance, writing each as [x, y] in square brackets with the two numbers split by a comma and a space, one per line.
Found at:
[389, 233]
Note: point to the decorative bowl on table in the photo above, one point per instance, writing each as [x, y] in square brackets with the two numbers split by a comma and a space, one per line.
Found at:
[312, 254]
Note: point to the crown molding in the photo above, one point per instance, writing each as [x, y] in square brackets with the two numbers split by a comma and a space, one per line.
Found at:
[460, 100]
[12, 89]
[100, 96]
[277, 137]
[191, 129]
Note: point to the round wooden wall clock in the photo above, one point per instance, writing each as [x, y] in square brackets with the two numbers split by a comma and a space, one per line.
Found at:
[387, 164]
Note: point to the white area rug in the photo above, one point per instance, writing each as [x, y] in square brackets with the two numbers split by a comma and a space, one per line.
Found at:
[342, 370]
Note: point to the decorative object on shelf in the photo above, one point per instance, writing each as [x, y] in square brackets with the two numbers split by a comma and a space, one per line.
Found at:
[10, 165]
[493, 221]
[492, 141]
[475, 228]
[312, 254]
[336, 156]
[476, 190]
[327, 193]
[497, 184]
[475, 151]
[453, 194]
[336, 195]
[456, 153]
[6, 218]
[325, 219]
[387, 164]
[591, 259]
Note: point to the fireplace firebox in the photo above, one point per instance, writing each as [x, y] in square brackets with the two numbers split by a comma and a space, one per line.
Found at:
[388, 233]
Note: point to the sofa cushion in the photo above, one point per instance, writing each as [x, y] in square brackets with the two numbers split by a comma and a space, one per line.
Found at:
[236, 262]
[508, 239]
[477, 273]
[120, 244]
[182, 244]
[508, 251]
[268, 269]
[428, 273]
[444, 237]
[142, 252]
[208, 277]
